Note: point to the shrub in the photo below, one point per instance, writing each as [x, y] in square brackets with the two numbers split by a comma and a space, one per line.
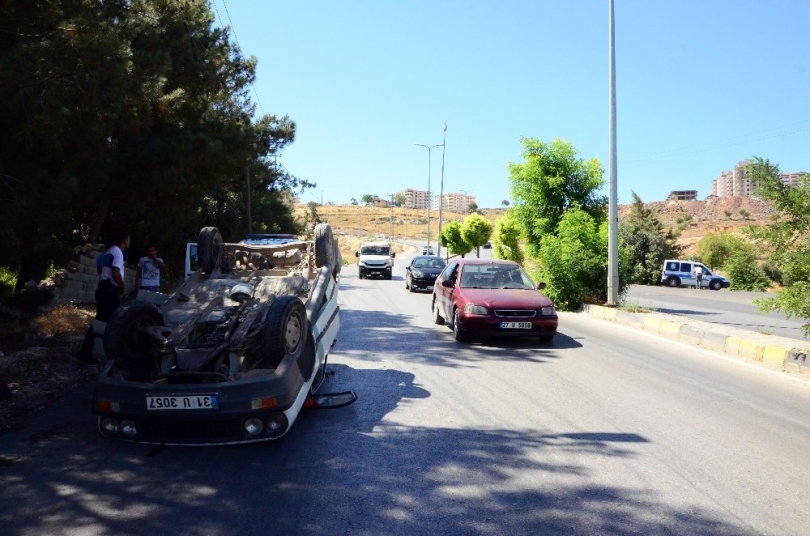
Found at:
[8, 279]
[745, 274]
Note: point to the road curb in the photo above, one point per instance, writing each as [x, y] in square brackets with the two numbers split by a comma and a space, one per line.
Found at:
[779, 353]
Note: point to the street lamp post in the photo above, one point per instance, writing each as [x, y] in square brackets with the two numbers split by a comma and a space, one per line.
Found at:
[441, 193]
[428, 147]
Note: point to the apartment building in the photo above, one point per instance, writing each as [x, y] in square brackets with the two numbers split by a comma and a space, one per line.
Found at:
[454, 202]
[734, 183]
[415, 198]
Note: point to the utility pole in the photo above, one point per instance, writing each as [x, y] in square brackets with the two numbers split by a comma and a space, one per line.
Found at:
[249, 219]
[441, 193]
[613, 215]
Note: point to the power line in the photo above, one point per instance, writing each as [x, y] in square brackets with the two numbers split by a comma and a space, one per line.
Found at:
[720, 144]
[233, 29]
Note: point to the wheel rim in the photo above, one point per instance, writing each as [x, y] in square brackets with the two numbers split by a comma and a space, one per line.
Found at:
[292, 335]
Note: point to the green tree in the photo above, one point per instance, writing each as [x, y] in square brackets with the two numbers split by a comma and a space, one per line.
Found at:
[400, 200]
[716, 249]
[451, 239]
[744, 213]
[552, 180]
[354, 201]
[573, 262]
[727, 213]
[472, 207]
[129, 114]
[786, 241]
[504, 203]
[506, 244]
[647, 243]
[369, 199]
[476, 231]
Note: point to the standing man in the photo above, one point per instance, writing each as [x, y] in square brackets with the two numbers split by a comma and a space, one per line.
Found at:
[109, 291]
[147, 276]
[699, 276]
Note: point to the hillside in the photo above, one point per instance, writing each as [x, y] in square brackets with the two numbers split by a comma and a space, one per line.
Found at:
[353, 223]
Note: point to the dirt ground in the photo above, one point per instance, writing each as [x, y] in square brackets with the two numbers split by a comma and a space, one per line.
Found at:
[38, 367]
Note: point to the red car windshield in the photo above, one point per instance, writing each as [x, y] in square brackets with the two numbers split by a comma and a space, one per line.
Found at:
[489, 276]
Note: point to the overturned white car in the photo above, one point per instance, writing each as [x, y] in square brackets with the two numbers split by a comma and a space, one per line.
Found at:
[233, 355]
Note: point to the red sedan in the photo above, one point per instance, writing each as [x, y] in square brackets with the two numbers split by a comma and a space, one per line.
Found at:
[492, 297]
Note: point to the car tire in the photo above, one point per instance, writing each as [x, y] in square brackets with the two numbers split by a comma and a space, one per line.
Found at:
[407, 286]
[123, 341]
[360, 274]
[438, 319]
[285, 330]
[209, 249]
[338, 260]
[324, 246]
[673, 281]
[715, 285]
[458, 332]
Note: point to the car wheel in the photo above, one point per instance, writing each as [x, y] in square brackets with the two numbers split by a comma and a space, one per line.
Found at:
[458, 332]
[715, 285]
[209, 249]
[360, 274]
[324, 246]
[438, 319]
[673, 281]
[285, 330]
[407, 286]
[125, 341]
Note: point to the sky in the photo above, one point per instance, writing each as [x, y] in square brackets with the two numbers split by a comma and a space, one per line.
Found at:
[700, 86]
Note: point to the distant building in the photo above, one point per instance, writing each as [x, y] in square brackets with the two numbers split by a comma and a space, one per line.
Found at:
[682, 195]
[735, 183]
[454, 202]
[414, 198]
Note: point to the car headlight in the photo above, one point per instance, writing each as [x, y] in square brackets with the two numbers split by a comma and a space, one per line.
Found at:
[417, 273]
[472, 309]
[547, 311]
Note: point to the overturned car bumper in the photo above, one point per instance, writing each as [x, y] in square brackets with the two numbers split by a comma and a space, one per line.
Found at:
[260, 408]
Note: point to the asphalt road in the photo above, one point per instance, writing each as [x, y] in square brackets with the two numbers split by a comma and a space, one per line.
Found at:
[607, 430]
[727, 308]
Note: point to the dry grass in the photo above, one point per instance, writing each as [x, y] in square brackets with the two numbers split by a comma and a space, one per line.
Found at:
[62, 322]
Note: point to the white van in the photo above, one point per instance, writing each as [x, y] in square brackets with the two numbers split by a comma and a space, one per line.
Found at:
[679, 273]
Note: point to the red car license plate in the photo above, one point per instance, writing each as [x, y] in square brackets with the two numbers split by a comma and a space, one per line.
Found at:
[516, 325]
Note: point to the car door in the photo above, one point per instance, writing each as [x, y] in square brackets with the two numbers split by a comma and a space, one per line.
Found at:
[444, 299]
[408, 272]
[686, 274]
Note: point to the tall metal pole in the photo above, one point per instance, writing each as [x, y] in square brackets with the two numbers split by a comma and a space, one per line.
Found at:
[249, 219]
[613, 215]
[441, 192]
[428, 147]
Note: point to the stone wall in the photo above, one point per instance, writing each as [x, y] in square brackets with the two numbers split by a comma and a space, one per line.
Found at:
[77, 282]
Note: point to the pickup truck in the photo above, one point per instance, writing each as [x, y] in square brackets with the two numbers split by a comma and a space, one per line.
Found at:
[233, 355]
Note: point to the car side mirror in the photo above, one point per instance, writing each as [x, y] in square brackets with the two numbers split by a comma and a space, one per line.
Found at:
[541, 285]
[448, 283]
[357, 254]
[393, 254]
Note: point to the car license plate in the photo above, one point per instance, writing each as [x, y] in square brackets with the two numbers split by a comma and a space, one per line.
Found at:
[182, 402]
[516, 325]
